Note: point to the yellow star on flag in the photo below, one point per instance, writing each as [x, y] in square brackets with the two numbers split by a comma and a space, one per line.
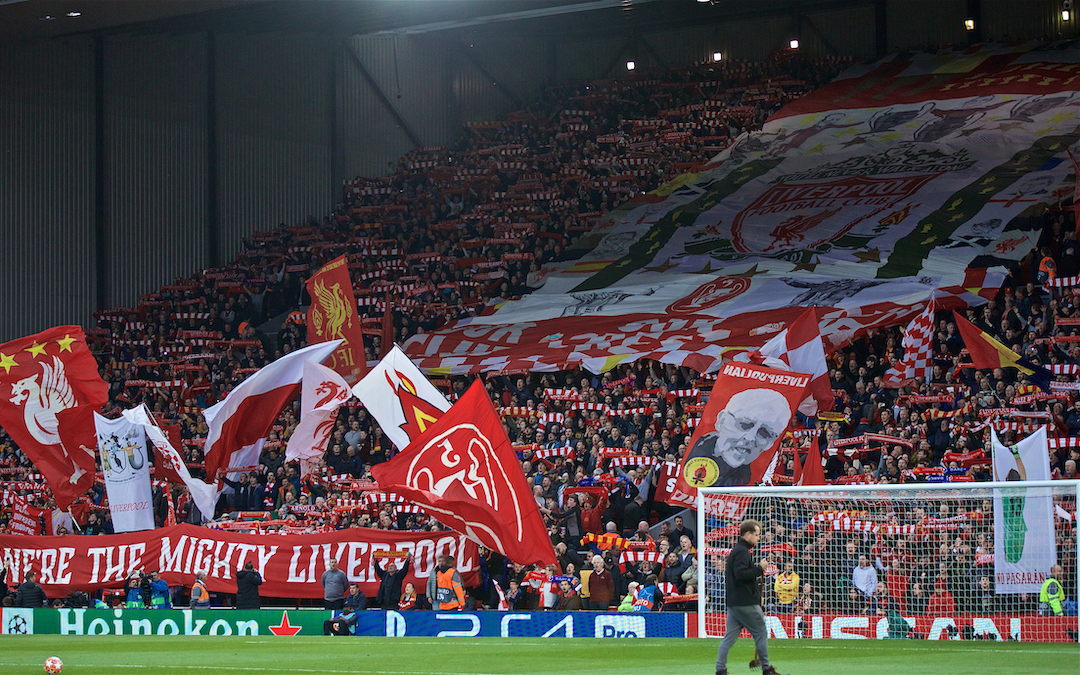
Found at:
[6, 362]
[65, 343]
[36, 349]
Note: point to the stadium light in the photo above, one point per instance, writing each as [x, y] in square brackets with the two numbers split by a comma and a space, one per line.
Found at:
[794, 44]
[969, 24]
[630, 65]
[717, 56]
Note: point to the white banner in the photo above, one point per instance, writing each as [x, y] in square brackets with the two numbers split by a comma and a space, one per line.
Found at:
[122, 446]
[204, 494]
[1024, 545]
[400, 397]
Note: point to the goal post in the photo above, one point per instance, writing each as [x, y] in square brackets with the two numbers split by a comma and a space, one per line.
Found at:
[936, 561]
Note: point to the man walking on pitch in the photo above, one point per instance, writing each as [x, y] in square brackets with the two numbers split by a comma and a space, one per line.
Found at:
[744, 599]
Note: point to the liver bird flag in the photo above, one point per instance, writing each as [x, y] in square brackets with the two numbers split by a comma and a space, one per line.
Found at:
[322, 392]
[41, 376]
[986, 352]
[398, 395]
[333, 316]
[463, 472]
[238, 424]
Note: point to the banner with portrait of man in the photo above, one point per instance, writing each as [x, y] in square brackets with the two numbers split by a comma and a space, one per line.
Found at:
[740, 429]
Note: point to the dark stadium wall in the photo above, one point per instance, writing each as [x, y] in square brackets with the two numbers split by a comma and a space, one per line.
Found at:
[290, 114]
[155, 109]
[398, 91]
[275, 102]
[46, 185]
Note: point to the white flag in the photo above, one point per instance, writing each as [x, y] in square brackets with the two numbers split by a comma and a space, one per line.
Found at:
[322, 391]
[400, 398]
[204, 495]
[1024, 544]
[237, 425]
[127, 473]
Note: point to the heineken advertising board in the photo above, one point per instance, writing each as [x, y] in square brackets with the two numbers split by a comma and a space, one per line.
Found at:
[162, 622]
[217, 622]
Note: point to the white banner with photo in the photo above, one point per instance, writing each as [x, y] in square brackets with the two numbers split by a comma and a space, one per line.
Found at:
[1024, 544]
[122, 445]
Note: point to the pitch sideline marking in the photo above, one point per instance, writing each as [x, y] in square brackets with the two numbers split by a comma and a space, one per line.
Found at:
[258, 669]
[981, 650]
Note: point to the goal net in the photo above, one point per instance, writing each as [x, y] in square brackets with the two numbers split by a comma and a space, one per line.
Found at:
[930, 561]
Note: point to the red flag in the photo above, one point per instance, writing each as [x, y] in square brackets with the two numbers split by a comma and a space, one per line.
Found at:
[813, 473]
[77, 430]
[463, 471]
[41, 376]
[796, 476]
[740, 429]
[238, 424]
[986, 352]
[25, 519]
[170, 517]
[387, 328]
[163, 468]
[333, 316]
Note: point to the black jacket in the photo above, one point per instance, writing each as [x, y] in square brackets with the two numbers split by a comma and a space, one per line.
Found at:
[31, 595]
[741, 575]
[247, 589]
[390, 588]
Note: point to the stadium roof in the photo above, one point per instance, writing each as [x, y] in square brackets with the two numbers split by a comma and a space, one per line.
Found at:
[43, 19]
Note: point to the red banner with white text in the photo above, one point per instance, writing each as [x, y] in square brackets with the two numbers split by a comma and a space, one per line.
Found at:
[291, 565]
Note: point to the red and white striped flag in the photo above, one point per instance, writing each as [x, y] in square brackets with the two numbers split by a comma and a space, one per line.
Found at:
[801, 348]
[239, 423]
[918, 351]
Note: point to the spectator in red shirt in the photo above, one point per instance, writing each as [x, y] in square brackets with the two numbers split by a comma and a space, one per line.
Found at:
[941, 603]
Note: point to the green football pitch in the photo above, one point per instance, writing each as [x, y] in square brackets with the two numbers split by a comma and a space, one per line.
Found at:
[434, 656]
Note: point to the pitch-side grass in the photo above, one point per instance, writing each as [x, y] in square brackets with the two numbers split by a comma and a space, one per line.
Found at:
[452, 656]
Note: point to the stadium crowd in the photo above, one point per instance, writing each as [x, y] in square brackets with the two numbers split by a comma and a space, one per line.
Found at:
[455, 230]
